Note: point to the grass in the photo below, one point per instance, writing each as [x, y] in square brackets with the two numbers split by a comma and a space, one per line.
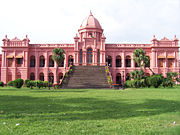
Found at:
[146, 111]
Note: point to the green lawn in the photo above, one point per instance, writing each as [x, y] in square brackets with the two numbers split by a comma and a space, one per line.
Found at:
[90, 112]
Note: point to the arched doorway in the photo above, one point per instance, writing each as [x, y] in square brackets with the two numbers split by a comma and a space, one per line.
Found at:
[32, 76]
[41, 76]
[89, 56]
[70, 60]
[118, 78]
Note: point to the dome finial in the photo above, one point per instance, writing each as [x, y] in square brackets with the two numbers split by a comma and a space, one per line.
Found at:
[90, 12]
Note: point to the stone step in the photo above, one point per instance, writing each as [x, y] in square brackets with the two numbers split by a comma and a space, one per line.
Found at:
[88, 77]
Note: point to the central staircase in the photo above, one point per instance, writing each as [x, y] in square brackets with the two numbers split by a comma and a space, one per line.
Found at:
[87, 77]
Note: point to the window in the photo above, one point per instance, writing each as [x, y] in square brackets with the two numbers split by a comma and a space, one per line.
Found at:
[70, 60]
[51, 61]
[118, 61]
[109, 61]
[80, 53]
[41, 61]
[32, 61]
[19, 61]
[170, 62]
[10, 61]
[98, 57]
[128, 61]
[160, 62]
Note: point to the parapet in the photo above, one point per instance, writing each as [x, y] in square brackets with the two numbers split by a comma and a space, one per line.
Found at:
[15, 42]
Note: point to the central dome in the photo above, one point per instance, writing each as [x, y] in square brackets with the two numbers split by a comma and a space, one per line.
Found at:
[90, 22]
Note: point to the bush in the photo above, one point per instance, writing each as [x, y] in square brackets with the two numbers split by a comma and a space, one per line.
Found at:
[156, 80]
[148, 81]
[31, 84]
[18, 83]
[129, 83]
[10, 83]
[26, 82]
[45, 84]
[1, 84]
[56, 86]
[39, 83]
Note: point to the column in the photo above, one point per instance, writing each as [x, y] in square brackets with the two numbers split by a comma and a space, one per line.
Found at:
[132, 62]
[156, 59]
[123, 60]
[153, 59]
[165, 64]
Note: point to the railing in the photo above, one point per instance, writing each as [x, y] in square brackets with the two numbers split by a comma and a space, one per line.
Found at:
[108, 73]
[67, 71]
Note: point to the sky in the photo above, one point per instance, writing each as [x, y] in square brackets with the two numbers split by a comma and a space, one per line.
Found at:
[58, 21]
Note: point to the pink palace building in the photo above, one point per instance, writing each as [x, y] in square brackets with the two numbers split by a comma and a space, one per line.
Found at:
[21, 59]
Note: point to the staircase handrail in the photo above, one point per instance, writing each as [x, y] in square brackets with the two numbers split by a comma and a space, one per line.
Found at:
[108, 73]
[66, 71]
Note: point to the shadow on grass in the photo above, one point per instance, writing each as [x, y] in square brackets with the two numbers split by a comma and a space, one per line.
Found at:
[81, 108]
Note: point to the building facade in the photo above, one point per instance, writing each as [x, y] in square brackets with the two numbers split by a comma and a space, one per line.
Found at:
[20, 59]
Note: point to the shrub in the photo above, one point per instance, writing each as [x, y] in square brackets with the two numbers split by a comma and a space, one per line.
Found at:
[129, 83]
[1, 84]
[56, 86]
[18, 83]
[10, 83]
[45, 84]
[26, 82]
[148, 81]
[156, 80]
[31, 84]
[39, 83]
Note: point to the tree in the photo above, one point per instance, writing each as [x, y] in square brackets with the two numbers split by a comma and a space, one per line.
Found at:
[139, 56]
[58, 57]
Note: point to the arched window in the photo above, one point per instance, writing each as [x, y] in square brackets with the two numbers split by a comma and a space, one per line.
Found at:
[109, 61]
[118, 78]
[80, 54]
[32, 61]
[128, 61]
[32, 76]
[60, 76]
[98, 57]
[9, 76]
[51, 61]
[41, 61]
[18, 75]
[51, 77]
[70, 60]
[118, 61]
[127, 76]
[41, 76]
